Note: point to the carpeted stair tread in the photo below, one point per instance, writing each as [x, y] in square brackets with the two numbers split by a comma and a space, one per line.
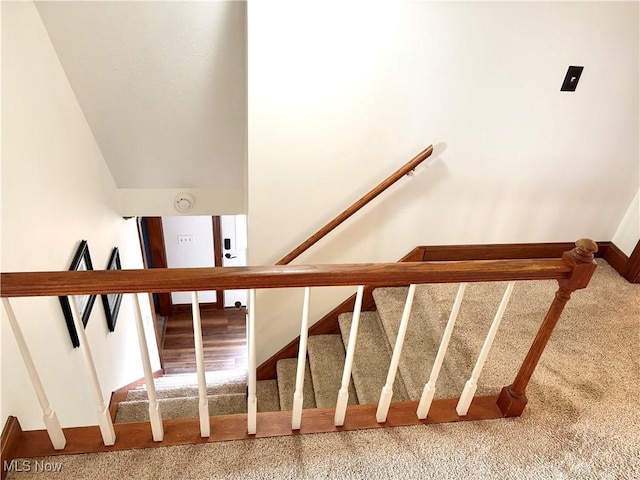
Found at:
[188, 391]
[267, 393]
[186, 385]
[423, 332]
[371, 358]
[430, 312]
[286, 371]
[138, 410]
[326, 361]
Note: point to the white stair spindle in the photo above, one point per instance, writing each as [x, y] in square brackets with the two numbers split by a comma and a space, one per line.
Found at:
[104, 418]
[155, 418]
[343, 394]
[49, 416]
[430, 387]
[252, 400]
[296, 414]
[387, 390]
[203, 405]
[472, 384]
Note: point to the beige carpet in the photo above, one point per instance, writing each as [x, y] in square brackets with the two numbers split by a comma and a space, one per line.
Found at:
[582, 421]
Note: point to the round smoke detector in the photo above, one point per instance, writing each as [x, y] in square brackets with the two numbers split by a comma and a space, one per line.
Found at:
[184, 202]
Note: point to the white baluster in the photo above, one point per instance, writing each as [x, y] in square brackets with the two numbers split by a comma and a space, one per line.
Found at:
[296, 415]
[104, 418]
[472, 384]
[430, 387]
[155, 418]
[387, 390]
[252, 400]
[49, 416]
[343, 394]
[203, 405]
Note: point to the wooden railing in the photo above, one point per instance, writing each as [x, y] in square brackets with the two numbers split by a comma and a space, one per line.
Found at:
[32, 284]
[573, 271]
[381, 187]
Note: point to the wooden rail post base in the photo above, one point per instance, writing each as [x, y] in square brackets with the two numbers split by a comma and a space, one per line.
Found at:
[511, 404]
[512, 399]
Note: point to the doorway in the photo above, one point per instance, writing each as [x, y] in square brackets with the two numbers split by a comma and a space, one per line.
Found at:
[196, 241]
[191, 242]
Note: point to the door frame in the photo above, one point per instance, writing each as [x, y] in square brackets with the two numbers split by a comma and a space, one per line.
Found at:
[217, 255]
[145, 262]
[158, 254]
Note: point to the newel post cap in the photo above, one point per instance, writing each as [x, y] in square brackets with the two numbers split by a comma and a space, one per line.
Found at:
[582, 264]
[585, 248]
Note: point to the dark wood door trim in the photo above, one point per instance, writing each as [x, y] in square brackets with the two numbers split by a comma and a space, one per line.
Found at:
[632, 272]
[217, 254]
[155, 236]
[154, 317]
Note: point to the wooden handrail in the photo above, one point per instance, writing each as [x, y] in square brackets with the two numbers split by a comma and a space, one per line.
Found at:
[158, 280]
[382, 186]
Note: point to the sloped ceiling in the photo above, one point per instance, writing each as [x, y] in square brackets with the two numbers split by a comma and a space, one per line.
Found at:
[162, 85]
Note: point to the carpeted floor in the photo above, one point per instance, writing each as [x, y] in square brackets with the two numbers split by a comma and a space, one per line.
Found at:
[582, 420]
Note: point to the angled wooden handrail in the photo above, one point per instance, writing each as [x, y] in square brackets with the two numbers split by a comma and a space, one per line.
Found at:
[158, 280]
[381, 187]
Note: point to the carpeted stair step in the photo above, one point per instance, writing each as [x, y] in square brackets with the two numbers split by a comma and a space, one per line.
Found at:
[371, 358]
[267, 393]
[326, 361]
[188, 391]
[186, 385]
[138, 410]
[286, 371]
[431, 308]
[430, 312]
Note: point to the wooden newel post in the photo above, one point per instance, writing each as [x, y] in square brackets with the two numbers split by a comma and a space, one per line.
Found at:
[512, 399]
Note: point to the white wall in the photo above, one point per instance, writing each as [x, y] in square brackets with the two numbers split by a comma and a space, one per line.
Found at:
[627, 235]
[158, 202]
[343, 93]
[189, 255]
[57, 190]
[163, 87]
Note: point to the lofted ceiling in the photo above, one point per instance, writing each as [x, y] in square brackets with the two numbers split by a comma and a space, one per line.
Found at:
[162, 86]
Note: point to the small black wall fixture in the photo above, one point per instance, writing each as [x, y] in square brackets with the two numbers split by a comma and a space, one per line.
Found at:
[571, 79]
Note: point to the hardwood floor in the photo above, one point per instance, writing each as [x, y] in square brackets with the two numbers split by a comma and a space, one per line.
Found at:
[223, 338]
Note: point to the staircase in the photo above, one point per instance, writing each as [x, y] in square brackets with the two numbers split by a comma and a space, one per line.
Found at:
[178, 394]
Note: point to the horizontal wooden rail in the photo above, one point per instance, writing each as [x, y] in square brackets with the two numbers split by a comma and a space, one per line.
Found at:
[381, 187]
[160, 280]
[185, 431]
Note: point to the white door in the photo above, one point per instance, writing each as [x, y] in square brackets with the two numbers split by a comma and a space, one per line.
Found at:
[188, 243]
[234, 252]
